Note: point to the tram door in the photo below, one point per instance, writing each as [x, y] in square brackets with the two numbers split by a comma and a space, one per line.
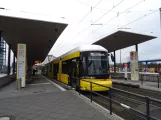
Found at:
[75, 72]
[55, 70]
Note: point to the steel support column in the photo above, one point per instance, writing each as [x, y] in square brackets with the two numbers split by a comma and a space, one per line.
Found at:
[1, 54]
[14, 63]
[136, 47]
[0, 36]
[114, 62]
[9, 55]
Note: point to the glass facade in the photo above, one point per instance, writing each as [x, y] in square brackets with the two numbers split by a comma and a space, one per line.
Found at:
[2, 55]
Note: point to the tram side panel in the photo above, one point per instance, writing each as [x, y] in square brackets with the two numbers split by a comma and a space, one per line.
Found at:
[69, 67]
[50, 73]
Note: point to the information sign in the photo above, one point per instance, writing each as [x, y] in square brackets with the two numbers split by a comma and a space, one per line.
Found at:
[21, 63]
[134, 65]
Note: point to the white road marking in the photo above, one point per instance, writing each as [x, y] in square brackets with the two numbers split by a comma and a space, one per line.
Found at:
[61, 88]
[41, 84]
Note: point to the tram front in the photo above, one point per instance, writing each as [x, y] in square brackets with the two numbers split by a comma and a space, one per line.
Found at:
[95, 69]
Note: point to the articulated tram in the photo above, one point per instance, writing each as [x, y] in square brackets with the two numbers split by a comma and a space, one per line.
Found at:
[88, 62]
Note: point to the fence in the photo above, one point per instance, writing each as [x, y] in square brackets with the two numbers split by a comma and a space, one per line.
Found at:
[152, 79]
[147, 99]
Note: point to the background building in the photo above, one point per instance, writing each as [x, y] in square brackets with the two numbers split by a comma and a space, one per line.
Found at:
[2, 56]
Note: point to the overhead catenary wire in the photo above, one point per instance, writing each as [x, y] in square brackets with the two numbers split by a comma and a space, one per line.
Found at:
[95, 7]
[108, 10]
[139, 18]
[131, 21]
[97, 19]
[83, 3]
[81, 20]
[116, 17]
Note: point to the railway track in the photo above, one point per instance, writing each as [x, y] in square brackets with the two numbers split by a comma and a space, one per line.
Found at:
[145, 92]
[123, 105]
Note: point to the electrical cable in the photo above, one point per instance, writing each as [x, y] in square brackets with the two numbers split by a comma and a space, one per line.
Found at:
[115, 17]
[80, 22]
[95, 7]
[139, 18]
[133, 21]
[83, 3]
[97, 19]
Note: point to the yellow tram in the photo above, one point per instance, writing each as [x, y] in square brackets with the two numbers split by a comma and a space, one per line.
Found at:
[87, 62]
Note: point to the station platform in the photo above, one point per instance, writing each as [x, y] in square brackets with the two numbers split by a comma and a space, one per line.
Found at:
[45, 100]
[139, 84]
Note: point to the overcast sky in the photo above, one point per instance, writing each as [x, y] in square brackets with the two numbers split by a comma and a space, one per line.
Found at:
[141, 16]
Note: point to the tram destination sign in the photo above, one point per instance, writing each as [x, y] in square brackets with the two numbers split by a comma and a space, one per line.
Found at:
[97, 54]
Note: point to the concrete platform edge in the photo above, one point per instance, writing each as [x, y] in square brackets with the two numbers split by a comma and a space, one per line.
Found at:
[150, 88]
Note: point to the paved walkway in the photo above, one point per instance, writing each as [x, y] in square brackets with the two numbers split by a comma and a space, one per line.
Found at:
[44, 101]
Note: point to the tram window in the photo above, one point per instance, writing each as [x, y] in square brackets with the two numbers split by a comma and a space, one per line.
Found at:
[69, 66]
[83, 66]
[66, 66]
[50, 68]
[47, 68]
[75, 67]
[55, 68]
[74, 60]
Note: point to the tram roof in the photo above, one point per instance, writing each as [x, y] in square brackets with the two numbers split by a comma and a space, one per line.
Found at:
[84, 48]
[39, 36]
[122, 39]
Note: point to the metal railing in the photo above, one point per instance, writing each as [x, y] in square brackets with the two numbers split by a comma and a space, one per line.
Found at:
[148, 100]
[150, 78]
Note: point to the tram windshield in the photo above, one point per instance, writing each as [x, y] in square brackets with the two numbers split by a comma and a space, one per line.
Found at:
[96, 64]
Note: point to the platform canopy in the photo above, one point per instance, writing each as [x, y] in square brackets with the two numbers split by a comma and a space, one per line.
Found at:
[122, 39]
[39, 36]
